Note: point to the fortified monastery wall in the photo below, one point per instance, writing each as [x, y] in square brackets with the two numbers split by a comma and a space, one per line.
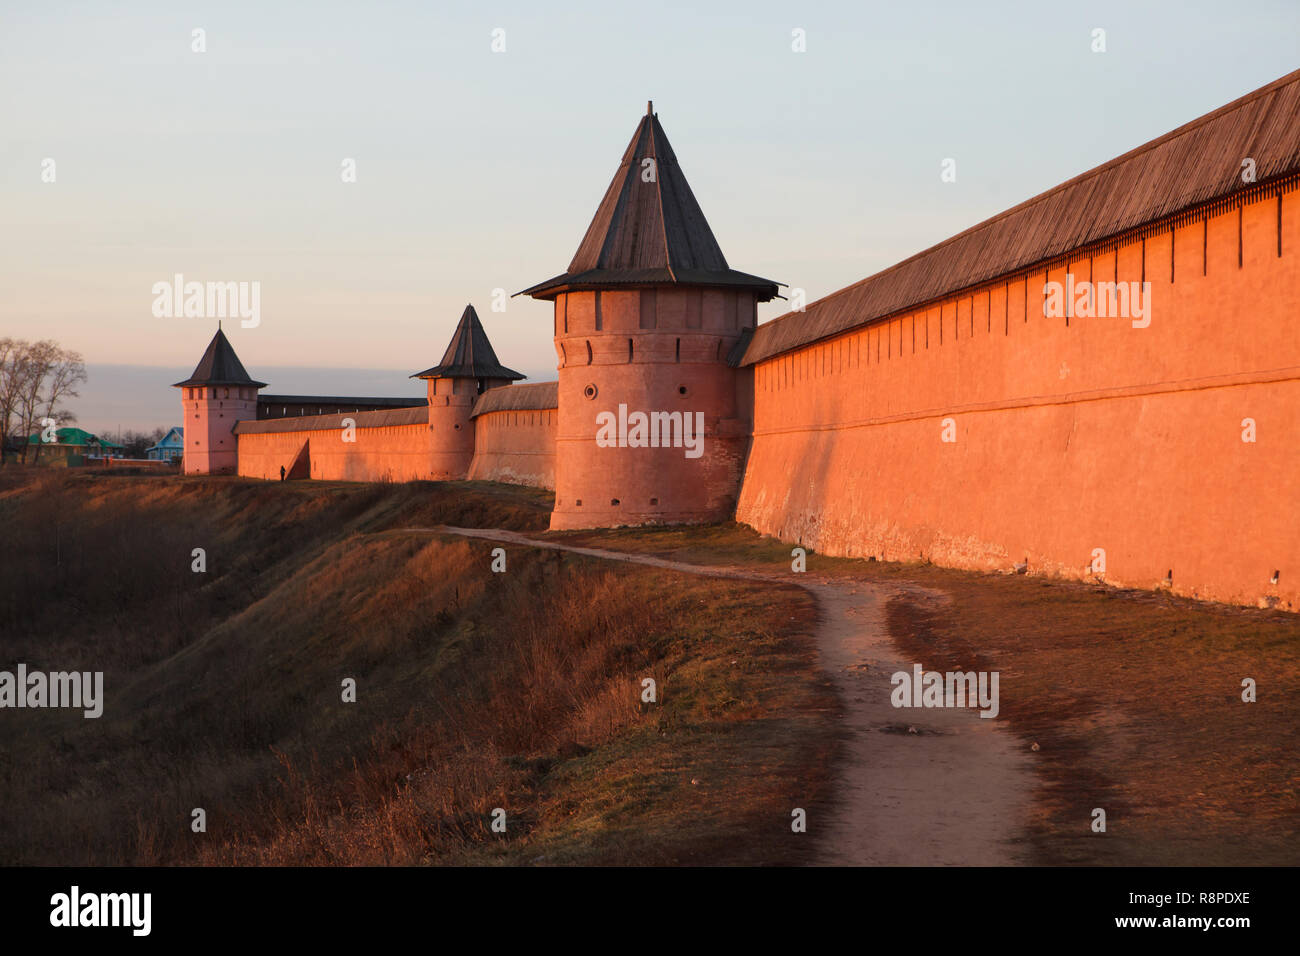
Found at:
[949, 409]
[385, 446]
[514, 435]
[941, 410]
[1066, 435]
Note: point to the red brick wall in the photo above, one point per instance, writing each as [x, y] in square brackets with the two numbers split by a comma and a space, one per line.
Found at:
[659, 350]
[515, 446]
[451, 432]
[210, 414]
[1069, 437]
[387, 453]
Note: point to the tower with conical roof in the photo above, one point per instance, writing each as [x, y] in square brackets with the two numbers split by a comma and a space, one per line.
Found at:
[646, 318]
[468, 369]
[218, 394]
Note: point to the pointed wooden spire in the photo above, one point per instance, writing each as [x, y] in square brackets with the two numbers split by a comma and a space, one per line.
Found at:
[469, 354]
[219, 366]
[649, 229]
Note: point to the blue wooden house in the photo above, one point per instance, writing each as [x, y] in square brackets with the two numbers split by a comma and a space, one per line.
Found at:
[170, 447]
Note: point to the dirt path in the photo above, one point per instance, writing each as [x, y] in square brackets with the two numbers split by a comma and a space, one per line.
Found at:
[953, 793]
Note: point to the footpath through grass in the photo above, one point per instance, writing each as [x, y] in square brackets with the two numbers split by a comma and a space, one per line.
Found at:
[1133, 697]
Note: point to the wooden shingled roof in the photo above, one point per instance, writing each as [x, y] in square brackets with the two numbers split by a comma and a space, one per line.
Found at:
[1192, 165]
[372, 402]
[416, 415]
[470, 354]
[219, 366]
[518, 398]
[649, 230]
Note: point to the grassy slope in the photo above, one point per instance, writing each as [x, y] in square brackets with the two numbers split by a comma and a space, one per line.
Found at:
[1133, 697]
[474, 694]
[475, 690]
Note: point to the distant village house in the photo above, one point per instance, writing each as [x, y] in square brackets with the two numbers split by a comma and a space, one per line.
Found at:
[171, 447]
[72, 446]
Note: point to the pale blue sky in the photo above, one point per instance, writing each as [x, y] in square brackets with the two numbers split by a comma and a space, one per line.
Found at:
[479, 170]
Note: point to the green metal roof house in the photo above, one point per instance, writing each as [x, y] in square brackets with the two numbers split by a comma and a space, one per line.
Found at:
[72, 443]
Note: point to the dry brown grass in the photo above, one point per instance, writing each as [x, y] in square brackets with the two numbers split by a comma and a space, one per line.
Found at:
[1133, 697]
[545, 721]
[475, 690]
[1135, 702]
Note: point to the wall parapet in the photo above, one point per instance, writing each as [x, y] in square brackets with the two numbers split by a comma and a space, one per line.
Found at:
[518, 398]
[415, 415]
[1095, 208]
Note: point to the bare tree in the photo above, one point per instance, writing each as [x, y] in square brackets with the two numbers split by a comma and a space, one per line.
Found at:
[36, 377]
[40, 358]
[14, 371]
[136, 444]
[66, 372]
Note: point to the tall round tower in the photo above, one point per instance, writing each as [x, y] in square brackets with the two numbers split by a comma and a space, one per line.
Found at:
[218, 394]
[654, 417]
[467, 370]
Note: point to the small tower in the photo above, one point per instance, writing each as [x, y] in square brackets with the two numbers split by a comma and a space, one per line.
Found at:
[217, 395]
[467, 370]
[646, 320]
